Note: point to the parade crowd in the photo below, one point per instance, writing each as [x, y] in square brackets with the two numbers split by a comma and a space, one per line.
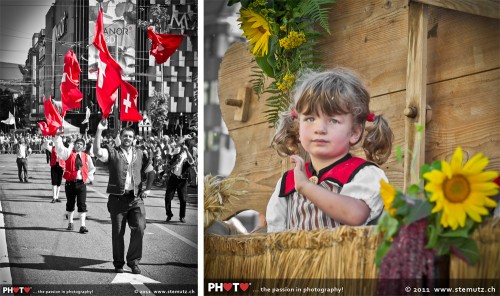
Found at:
[133, 163]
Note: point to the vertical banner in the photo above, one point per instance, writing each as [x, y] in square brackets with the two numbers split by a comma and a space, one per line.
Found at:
[120, 18]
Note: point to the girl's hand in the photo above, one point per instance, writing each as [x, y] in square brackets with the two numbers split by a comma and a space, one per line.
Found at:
[299, 172]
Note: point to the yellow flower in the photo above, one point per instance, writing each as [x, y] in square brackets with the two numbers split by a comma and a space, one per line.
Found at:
[388, 194]
[256, 29]
[460, 191]
[293, 40]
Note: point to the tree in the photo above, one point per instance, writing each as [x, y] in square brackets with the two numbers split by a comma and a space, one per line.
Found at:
[158, 113]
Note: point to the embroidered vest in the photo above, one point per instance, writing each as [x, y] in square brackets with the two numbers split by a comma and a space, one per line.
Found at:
[340, 172]
[70, 171]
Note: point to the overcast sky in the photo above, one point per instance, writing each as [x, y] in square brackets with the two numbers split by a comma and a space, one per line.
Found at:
[19, 20]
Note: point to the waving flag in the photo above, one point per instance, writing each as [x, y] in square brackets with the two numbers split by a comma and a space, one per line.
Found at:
[128, 106]
[109, 71]
[10, 120]
[53, 118]
[164, 45]
[71, 96]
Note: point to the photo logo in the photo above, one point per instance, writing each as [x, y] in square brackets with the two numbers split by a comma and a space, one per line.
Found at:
[228, 287]
[16, 290]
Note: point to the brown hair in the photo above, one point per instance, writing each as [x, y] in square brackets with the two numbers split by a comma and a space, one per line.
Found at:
[333, 92]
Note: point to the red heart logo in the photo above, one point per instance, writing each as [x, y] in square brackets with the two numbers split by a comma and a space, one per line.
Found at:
[27, 289]
[16, 289]
[228, 286]
[243, 286]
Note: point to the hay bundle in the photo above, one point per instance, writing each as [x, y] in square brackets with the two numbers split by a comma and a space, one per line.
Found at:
[217, 194]
[488, 240]
[296, 258]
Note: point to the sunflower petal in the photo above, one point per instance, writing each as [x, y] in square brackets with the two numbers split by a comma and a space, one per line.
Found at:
[476, 164]
[487, 176]
[456, 160]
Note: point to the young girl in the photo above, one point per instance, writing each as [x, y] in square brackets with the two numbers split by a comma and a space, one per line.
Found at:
[328, 117]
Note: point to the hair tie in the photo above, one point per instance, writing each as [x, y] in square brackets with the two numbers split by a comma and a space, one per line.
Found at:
[294, 114]
[371, 117]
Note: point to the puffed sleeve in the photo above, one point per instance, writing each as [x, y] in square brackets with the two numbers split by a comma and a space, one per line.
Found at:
[366, 186]
[276, 212]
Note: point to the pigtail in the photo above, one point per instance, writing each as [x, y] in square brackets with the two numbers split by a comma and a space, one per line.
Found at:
[286, 138]
[378, 140]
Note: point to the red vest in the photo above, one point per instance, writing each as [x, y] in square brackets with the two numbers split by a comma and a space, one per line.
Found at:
[340, 172]
[54, 159]
[70, 171]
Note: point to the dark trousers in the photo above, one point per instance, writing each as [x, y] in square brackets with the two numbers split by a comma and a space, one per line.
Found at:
[76, 191]
[127, 209]
[180, 185]
[22, 169]
[47, 155]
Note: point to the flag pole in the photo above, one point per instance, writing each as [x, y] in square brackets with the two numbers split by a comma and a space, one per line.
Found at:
[15, 128]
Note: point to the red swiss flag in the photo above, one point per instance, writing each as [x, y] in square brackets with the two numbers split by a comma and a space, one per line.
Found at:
[109, 71]
[128, 106]
[71, 96]
[53, 118]
[163, 45]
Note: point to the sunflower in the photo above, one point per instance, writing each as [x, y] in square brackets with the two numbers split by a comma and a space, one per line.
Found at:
[460, 191]
[388, 194]
[256, 29]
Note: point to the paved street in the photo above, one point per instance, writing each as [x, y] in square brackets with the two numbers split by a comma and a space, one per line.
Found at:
[44, 256]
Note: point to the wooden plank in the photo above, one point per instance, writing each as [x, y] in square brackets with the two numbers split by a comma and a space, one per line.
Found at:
[369, 36]
[258, 163]
[466, 113]
[416, 79]
[235, 73]
[486, 8]
[459, 44]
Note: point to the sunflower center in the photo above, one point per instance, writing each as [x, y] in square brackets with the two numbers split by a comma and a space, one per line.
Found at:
[456, 189]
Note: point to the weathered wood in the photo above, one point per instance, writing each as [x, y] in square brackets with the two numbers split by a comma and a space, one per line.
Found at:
[255, 159]
[459, 44]
[372, 37]
[416, 80]
[234, 73]
[369, 36]
[466, 113]
[487, 8]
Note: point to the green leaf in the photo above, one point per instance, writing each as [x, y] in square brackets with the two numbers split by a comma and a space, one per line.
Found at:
[466, 249]
[265, 66]
[460, 232]
[399, 153]
[414, 189]
[387, 225]
[420, 127]
[231, 2]
[432, 234]
[384, 247]
[420, 210]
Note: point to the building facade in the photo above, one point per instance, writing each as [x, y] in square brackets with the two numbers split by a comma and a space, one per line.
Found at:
[69, 25]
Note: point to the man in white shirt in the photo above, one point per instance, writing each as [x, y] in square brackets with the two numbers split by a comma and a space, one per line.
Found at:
[79, 170]
[22, 151]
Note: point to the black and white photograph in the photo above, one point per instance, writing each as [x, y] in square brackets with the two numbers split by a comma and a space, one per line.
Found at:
[99, 147]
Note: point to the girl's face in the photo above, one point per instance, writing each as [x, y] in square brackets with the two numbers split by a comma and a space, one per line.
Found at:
[327, 138]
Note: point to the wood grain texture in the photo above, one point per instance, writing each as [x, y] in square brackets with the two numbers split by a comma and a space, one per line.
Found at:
[369, 36]
[459, 44]
[255, 159]
[416, 84]
[234, 73]
[466, 113]
[486, 8]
